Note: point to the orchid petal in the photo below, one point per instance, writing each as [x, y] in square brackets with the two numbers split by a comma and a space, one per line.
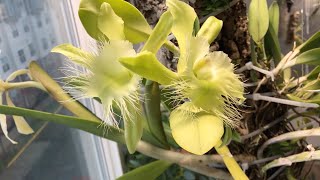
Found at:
[75, 54]
[147, 65]
[194, 130]
[183, 21]
[21, 124]
[210, 29]
[110, 24]
[3, 124]
[136, 28]
[133, 126]
[160, 33]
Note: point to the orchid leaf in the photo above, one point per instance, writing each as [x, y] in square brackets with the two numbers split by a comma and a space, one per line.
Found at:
[311, 43]
[159, 34]
[258, 19]
[311, 57]
[110, 24]
[136, 28]
[314, 73]
[274, 16]
[289, 160]
[183, 20]
[75, 54]
[272, 44]
[146, 65]
[93, 127]
[210, 29]
[313, 99]
[194, 130]
[149, 171]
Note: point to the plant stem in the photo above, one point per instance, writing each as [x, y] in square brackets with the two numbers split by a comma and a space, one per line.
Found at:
[26, 84]
[230, 162]
[288, 136]
[257, 97]
[287, 161]
[188, 161]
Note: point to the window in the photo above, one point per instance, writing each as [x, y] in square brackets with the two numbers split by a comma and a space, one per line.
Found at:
[56, 152]
[44, 43]
[5, 64]
[26, 28]
[39, 23]
[15, 33]
[32, 49]
[47, 20]
[22, 57]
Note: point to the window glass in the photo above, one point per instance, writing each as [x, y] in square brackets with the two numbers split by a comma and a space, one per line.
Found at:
[53, 151]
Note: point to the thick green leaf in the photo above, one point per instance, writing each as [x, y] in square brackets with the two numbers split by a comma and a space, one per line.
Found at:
[109, 23]
[311, 57]
[313, 99]
[159, 34]
[54, 89]
[312, 42]
[153, 112]
[149, 171]
[146, 65]
[272, 44]
[314, 74]
[258, 19]
[274, 16]
[93, 127]
[136, 28]
[210, 29]
[75, 54]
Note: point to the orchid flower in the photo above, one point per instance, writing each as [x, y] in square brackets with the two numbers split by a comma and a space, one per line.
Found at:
[105, 78]
[205, 79]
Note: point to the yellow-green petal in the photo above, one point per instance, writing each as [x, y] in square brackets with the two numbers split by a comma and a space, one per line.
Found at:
[159, 34]
[133, 126]
[75, 54]
[147, 65]
[136, 28]
[210, 29]
[194, 130]
[3, 124]
[109, 23]
[183, 20]
[21, 124]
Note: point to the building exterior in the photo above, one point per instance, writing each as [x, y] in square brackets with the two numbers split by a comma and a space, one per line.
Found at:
[28, 31]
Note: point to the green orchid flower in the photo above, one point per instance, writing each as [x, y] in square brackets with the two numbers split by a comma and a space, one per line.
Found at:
[205, 79]
[105, 78]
